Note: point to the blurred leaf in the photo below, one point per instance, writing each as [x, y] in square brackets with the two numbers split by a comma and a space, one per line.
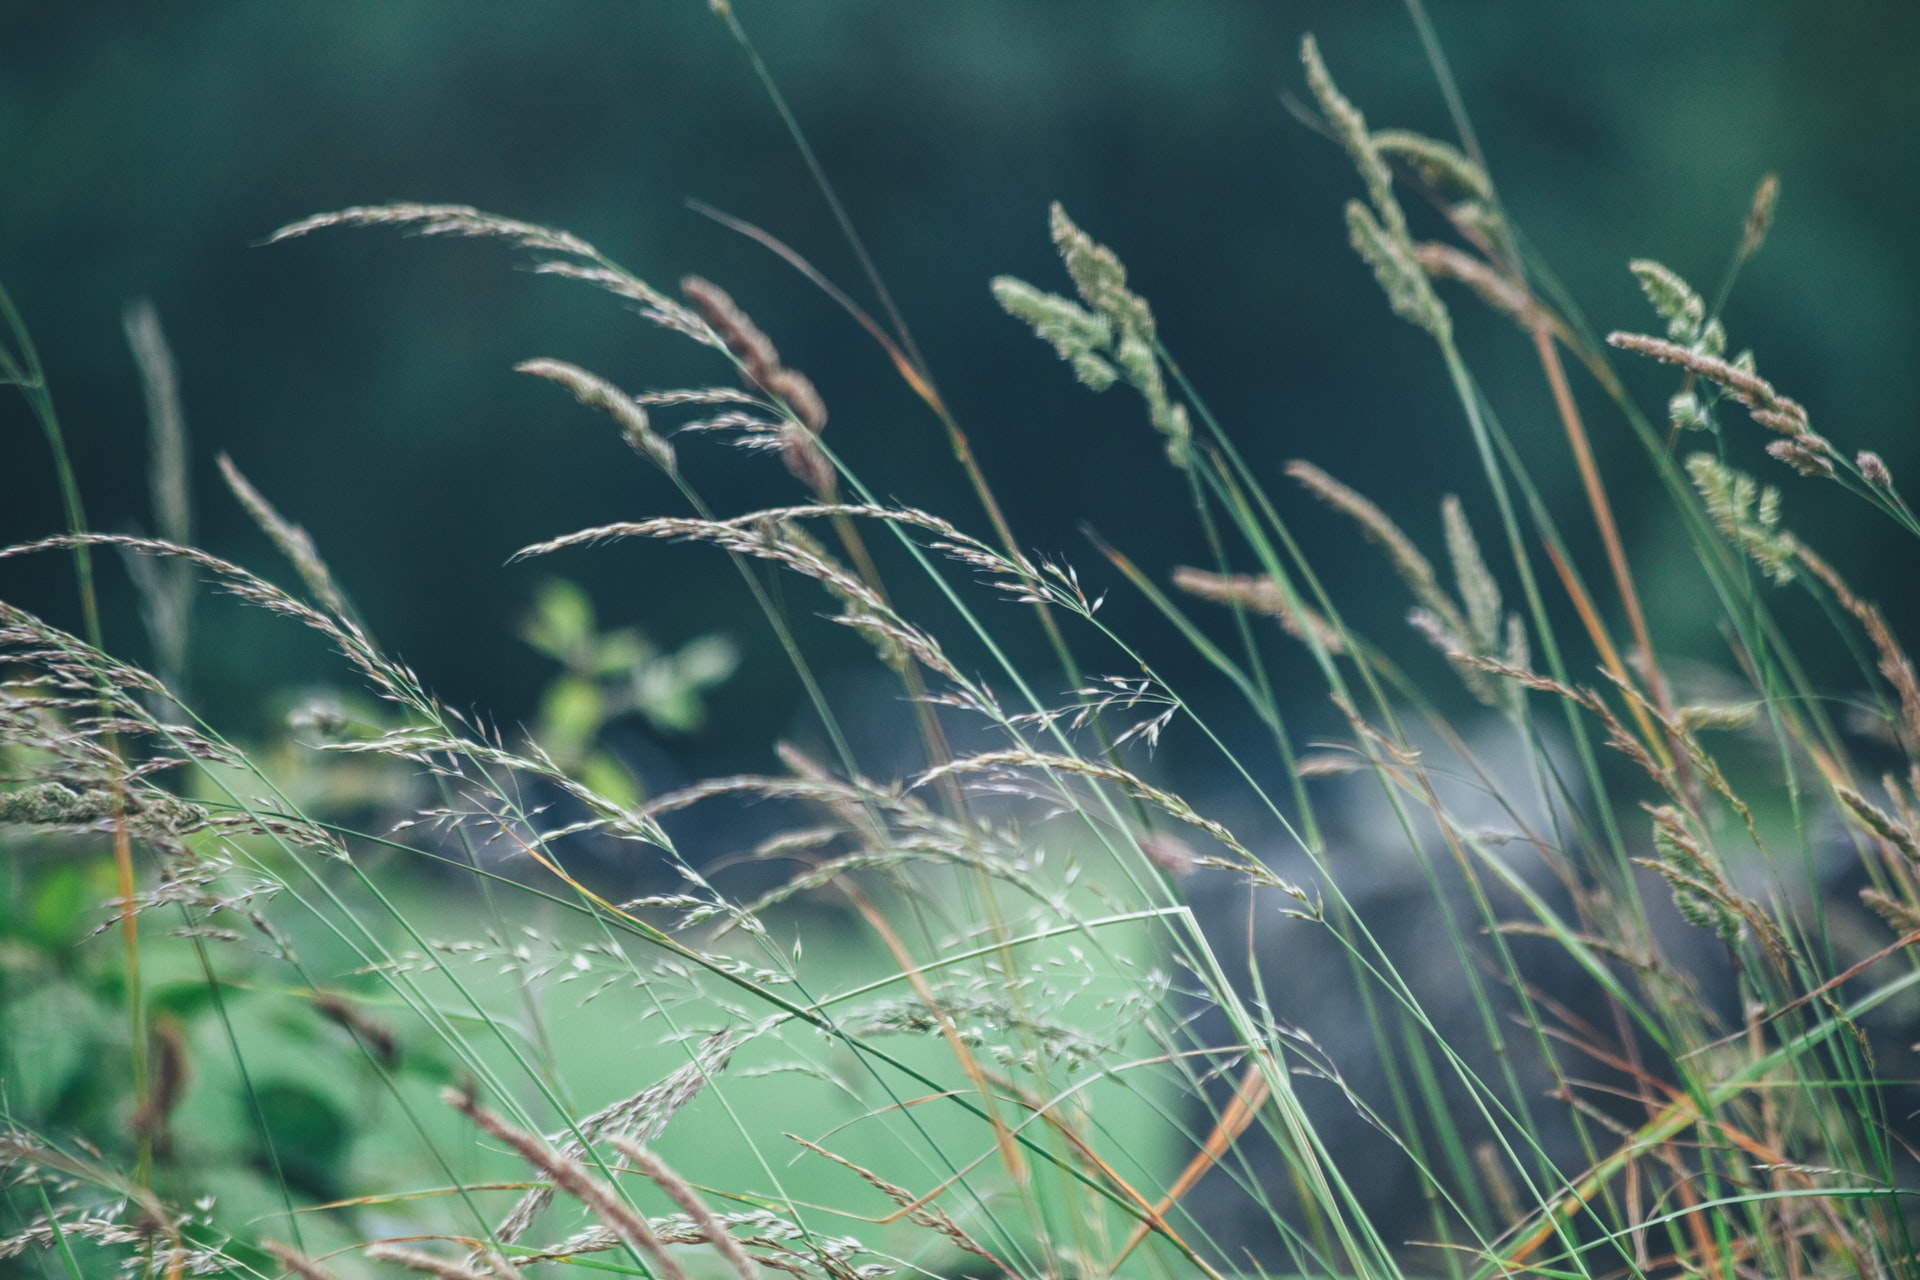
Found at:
[571, 714]
[610, 778]
[59, 906]
[707, 661]
[310, 1133]
[53, 1037]
[561, 625]
[184, 1000]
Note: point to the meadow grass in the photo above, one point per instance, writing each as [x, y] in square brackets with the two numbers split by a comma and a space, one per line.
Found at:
[388, 994]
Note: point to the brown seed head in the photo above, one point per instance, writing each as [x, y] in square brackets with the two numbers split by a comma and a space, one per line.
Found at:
[806, 463]
[1873, 470]
[1169, 853]
[796, 390]
[752, 348]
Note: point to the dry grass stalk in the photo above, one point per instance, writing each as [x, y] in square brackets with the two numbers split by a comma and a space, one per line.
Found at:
[1258, 593]
[1875, 820]
[919, 1209]
[1894, 663]
[572, 1177]
[1902, 916]
[297, 1263]
[690, 1204]
[1504, 295]
[428, 1264]
[596, 392]
[1414, 569]
[442, 220]
[1329, 764]
[643, 1116]
[760, 362]
[1767, 406]
[291, 540]
[376, 1036]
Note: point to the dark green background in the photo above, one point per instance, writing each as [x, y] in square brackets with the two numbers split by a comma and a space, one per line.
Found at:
[363, 381]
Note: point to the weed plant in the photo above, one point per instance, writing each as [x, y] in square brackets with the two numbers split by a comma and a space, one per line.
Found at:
[366, 999]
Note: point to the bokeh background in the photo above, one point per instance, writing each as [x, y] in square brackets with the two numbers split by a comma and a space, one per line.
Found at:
[363, 380]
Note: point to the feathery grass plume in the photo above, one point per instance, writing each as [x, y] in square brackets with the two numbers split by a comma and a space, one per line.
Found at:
[643, 1117]
[168, 487]
[997, 763]
[1673, 298]
[1730, 499]
[1379, 235]
[578, 260]
[291, 540]
[1437, 617]
[1478, 590]
[1874, 470]
[797, 391]
[1076, 334]
[51, 804]
[755, 352]
[1759, 215]
[884, 645]
[758, 535]
[1686, 413]
[743, 338]
[1876, 820]
[570, 1176]
[1720, 716]
[1700, 890]
[166, 588]
[760, 362]
[1409, 291]
[653, 305]
[1904, 806]
[596, 392]
[1903, 918]
[1115, 339]
[427, 1264]
[1481, 595]
[1350, 128]
[1806, 453]
[1439, 164]
[1258, 593]
[1100, 278]
[390, 680]
[1413, 568]
[442, 220]
[692, 1205]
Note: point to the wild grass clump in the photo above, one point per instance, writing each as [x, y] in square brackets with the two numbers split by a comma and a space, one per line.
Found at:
[410, 989]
